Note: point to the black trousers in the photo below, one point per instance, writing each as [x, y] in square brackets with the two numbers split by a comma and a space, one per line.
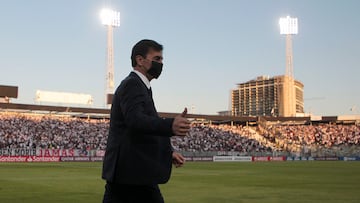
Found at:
[119, 193]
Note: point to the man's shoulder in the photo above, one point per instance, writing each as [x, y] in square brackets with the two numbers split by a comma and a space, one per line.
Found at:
[132, 80]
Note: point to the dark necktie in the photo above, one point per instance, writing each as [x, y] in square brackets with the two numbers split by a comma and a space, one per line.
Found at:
[150, 92]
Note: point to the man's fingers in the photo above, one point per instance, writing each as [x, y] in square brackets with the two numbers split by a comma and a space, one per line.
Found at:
[178, 163]
[182, 159]
[182, 133]
[187, 122]
[184, 127]
[178, 160]
[181, 125]
[183, 120]
[183, 130]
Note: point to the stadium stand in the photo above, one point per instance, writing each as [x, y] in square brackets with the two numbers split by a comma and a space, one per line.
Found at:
[19, 130]
[53, 131]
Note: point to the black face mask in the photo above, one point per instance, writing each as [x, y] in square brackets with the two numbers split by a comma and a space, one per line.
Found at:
[155, 69]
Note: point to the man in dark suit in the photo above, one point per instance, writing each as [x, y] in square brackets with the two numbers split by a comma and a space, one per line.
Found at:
[139, 154]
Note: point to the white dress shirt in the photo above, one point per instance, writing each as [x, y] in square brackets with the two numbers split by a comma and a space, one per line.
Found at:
[143, 78]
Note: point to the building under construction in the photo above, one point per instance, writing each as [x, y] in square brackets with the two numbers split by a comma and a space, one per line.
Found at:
[276, 96]
[267, 96]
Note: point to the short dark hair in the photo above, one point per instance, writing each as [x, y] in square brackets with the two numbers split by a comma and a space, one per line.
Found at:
[142, 48]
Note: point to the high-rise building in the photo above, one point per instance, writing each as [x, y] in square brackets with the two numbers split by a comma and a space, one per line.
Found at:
[265, 96]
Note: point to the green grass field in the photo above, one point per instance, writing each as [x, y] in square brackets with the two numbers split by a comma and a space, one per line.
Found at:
[196, 182]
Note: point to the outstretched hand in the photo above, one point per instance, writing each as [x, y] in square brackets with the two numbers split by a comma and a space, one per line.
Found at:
[181, 124]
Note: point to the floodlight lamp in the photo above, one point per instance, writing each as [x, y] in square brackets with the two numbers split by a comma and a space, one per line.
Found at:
[110, 17]
[288, 26]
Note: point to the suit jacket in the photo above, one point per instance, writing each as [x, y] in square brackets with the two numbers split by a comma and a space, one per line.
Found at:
[138, 147]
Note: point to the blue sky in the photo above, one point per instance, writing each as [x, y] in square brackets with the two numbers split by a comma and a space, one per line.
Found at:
[209, 47]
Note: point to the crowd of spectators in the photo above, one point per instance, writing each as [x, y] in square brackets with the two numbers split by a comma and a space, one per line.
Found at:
[18, 130]
[21, 130]
[323, 135]
[218, 138]
[49, 131]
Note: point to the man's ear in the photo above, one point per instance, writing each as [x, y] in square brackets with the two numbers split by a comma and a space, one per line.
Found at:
[139, 60]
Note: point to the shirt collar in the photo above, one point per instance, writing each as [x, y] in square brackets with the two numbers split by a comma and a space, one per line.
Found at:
[143, 78]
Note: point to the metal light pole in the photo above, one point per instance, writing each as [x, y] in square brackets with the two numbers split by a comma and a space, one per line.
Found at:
[289, 27]
[110, 19]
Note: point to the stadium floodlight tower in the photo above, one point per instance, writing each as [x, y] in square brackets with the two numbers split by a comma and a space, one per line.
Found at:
[289, 27]
[110, 19]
